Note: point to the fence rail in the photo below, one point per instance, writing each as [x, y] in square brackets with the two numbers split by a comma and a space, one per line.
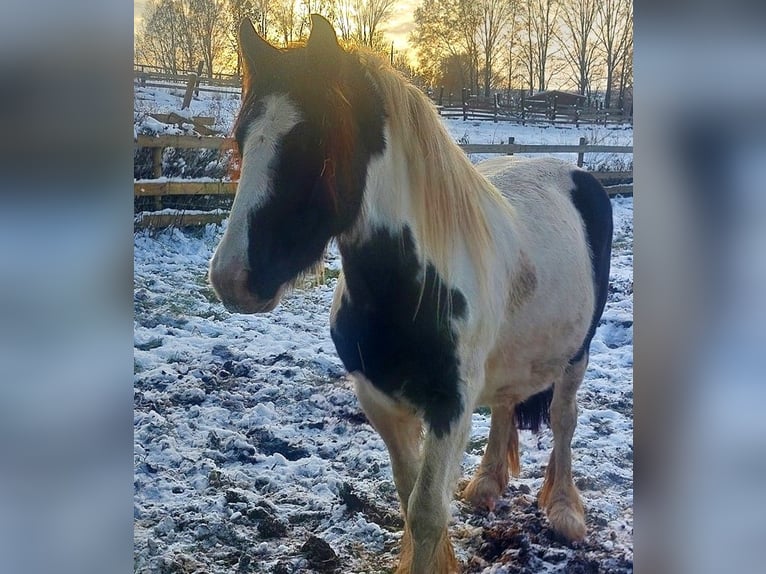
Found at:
[186, 142]
[148, 188]
[145, 73]
[510, 149]
[203, 142]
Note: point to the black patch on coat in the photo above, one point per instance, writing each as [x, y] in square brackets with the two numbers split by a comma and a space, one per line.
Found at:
[592, 201]
[536, 410]
[319, 172]
[394, 325]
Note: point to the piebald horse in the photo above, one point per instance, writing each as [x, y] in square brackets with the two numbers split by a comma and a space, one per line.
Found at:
[461, 286]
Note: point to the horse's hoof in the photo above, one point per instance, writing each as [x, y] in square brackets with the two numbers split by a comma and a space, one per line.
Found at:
[567, 521]
[482, 493]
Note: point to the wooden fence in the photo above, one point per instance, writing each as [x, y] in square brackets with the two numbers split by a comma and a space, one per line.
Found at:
[533, 114]
[525, 109]
[468, 107]
[179, 187]
[153, 77]
[157, 73]
[529, 115]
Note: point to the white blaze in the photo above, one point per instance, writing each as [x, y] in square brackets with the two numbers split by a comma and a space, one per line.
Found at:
[260, 145]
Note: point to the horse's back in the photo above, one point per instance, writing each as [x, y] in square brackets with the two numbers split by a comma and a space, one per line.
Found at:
[552, 189]
[513, 175]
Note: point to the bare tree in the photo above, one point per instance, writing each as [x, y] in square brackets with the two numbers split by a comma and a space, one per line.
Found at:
[540, 22]
[326, 8]
[262, 15]
[467, 19]
[189, 52]
[207, 27]
[368, 16]
[159, 41]
[286, 20]
[344, 19]
[236, 11]
[614, 30]
[495, 15]
[626, 71]
[577, 39]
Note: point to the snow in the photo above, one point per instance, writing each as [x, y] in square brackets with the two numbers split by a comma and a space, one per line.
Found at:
[249, 439]
[221, 106]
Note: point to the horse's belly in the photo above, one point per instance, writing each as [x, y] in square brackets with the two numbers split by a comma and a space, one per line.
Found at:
[525, 363]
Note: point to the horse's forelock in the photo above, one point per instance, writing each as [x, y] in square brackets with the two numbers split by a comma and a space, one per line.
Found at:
[340, 141]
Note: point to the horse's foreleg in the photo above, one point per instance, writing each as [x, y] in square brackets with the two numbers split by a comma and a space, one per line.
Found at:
[559, 495]
[501, 454]
[401, 430]
[429, 505]
[428, 513]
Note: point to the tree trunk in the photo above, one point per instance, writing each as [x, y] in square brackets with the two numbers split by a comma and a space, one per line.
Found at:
[487, 75]
[608, 94]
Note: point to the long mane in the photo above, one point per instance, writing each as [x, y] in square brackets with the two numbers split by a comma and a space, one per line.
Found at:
[447, 191]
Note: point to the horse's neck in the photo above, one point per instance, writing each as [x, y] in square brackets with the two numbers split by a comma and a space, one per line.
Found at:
[388, 193]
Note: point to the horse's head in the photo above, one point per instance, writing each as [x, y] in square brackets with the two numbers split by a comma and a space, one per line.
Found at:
[309, 124]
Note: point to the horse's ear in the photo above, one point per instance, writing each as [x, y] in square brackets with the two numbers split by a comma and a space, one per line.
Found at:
[322, 37]
[255, 50]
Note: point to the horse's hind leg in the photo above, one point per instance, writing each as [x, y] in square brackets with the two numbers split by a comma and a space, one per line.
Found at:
[501, 454]
[558, 495]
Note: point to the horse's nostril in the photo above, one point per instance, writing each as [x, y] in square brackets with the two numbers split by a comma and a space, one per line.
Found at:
[228, 281]
[232, 286]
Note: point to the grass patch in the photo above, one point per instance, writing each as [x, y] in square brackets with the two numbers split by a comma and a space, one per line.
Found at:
[319, 277]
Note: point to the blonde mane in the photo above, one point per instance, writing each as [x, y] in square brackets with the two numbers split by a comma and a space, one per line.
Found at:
[446, 189]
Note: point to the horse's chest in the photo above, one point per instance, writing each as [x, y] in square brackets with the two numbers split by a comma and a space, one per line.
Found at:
[394, 325]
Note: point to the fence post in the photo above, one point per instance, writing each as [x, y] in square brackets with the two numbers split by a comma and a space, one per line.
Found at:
[553, 110]
[465, 105]
[199, 74]
[190, 83]
[511, 141]
[523, 110]
[441, 95]
[581, 155]
[497, 105]
[157, 173]
[156, 162]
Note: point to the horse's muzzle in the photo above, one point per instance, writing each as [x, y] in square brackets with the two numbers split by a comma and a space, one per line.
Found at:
[232, 288]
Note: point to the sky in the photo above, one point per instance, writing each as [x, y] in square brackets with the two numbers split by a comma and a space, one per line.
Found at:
[397, 29]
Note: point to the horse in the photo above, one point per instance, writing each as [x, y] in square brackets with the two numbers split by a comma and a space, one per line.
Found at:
[461, 286]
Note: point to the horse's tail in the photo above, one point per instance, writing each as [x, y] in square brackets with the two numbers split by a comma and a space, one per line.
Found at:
[592, 201]
[533, 412]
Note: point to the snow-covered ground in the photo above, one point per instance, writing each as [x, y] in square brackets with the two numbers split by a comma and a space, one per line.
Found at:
[253, 455]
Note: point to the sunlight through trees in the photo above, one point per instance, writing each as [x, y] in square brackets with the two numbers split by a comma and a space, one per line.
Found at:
[485, 46]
